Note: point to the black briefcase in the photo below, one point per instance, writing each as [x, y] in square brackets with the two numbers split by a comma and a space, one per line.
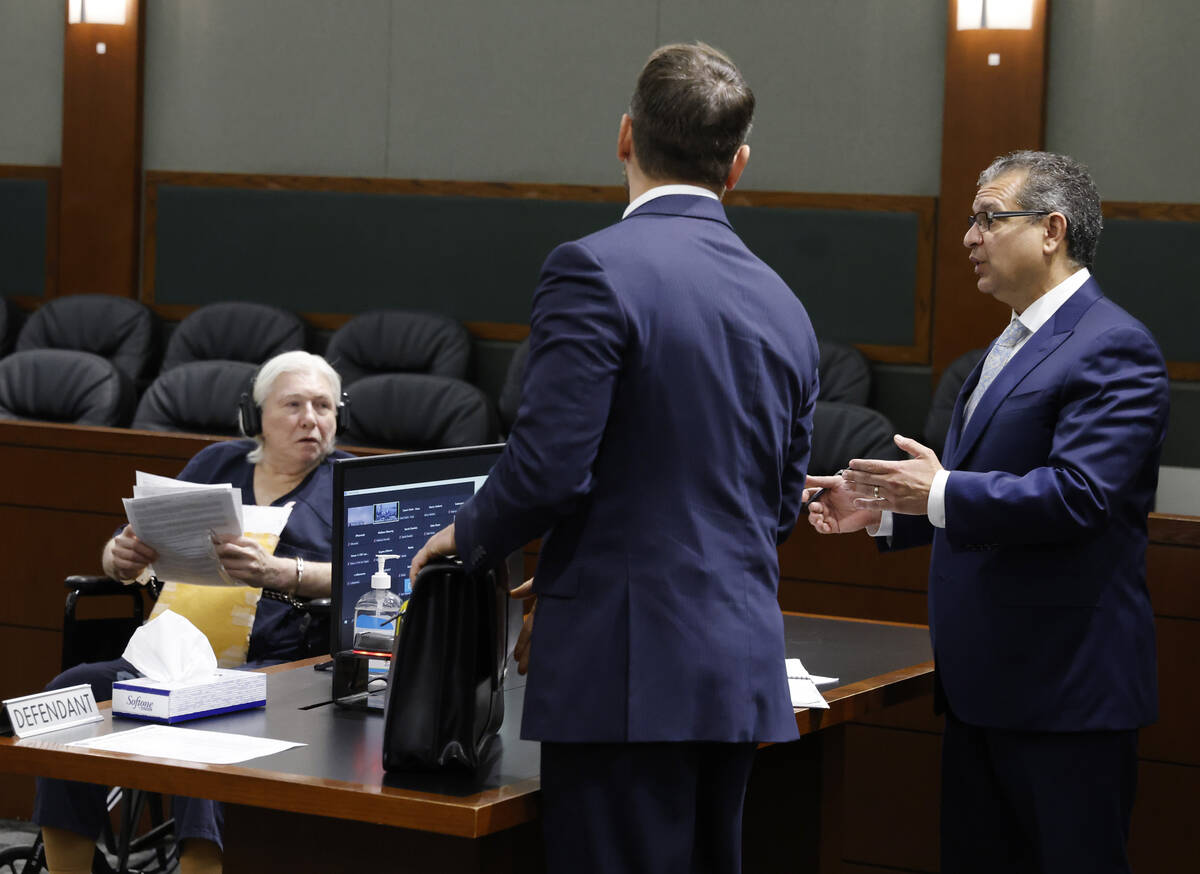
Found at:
[446, 681]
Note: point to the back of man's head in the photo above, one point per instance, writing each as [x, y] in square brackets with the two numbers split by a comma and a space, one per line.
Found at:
[691, 112]
[1057, 183]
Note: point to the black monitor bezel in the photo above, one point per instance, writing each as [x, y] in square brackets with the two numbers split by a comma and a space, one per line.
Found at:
[342, 467]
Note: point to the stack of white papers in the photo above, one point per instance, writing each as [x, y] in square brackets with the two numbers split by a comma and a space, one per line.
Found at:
[803, 685]
[178, 520]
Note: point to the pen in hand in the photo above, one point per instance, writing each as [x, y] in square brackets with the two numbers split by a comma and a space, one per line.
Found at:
[816, 496]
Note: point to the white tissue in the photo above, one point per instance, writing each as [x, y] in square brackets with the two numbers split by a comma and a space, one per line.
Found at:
[170, 649]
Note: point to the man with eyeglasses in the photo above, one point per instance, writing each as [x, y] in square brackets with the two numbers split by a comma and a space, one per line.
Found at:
[1041, 623]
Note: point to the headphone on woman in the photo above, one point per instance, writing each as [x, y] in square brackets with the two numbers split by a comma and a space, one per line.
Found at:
[250, 414]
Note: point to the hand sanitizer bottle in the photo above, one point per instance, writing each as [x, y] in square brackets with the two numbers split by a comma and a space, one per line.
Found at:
[377, 613]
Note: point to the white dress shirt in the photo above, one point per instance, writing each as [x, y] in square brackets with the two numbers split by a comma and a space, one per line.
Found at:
[663, 191]
[1035, 315]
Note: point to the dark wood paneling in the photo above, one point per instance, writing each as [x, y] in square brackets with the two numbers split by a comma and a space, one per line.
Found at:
[16, 796]
[1164, 837]
[892, 797]
[102, 156]
[1174, 738]
[986, 111]
[31, 659]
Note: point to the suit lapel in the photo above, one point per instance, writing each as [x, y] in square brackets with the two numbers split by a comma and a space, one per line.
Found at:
[1048, 338]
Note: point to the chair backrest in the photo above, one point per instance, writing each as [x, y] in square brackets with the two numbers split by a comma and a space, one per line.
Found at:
[200, 397]
[417, 411]
[844, 373]
[845, 431]
[122, 330]
[941, 408]
[64, 385]
[395, 341]
[510, 394]
[234, 331]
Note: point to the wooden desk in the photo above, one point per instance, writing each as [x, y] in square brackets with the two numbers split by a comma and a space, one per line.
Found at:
[439, 823]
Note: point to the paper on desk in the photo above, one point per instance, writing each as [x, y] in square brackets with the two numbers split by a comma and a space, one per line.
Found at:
[803, 686]
[179, 525]
[187, 744]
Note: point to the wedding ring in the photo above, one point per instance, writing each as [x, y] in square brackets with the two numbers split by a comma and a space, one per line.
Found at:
[877, 493]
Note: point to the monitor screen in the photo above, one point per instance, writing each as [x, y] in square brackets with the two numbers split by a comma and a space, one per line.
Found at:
[390, 505]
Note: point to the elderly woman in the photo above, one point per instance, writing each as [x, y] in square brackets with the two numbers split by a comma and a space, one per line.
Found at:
[295, 399]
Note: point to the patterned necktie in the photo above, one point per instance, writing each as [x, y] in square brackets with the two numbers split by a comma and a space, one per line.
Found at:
[1004, 348]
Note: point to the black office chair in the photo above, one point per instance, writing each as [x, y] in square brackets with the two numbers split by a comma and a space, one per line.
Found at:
[510, 394]
[844, 373]
[417, 411]
[63, 385]
[941, 409]
[845, 431]
[396, 341]
[199, 397]
[234, 331]
[124, 331]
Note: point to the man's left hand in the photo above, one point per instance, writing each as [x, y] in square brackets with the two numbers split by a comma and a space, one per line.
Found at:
[441, 543]
[899, 486]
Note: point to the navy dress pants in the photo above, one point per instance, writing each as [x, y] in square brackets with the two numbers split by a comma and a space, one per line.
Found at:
[81, 807]
[1036, 802]
[644, 808]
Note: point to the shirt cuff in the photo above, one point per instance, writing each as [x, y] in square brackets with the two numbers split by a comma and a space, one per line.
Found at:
[936, 508]
[884, 529]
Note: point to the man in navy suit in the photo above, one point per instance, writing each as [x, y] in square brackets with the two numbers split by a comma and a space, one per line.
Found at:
[1041, 623]
[660, 452]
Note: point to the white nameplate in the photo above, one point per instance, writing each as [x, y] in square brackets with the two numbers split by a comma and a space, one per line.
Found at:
[50, 711]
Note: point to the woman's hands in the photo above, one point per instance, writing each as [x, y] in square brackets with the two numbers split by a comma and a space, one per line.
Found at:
[126, 556]
[247, 562]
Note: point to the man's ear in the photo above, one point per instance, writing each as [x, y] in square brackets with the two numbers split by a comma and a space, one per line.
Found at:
[738, 165]
[1055, 233]
[625, 138]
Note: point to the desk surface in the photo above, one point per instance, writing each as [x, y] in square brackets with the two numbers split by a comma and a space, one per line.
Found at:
[339, 772]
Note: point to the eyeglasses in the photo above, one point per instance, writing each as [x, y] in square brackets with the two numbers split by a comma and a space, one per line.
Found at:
[984, 219]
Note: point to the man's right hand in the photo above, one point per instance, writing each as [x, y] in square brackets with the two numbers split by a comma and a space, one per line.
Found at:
[524, 592]
[127, 556]
[834, 512]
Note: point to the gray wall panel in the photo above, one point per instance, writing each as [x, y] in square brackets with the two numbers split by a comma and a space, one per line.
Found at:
[31, 49]
[849, 91]
[269, 86]
[521, 91]
[1121, 95]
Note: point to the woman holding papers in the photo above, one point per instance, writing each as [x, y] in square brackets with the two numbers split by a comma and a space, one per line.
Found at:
[293, 418]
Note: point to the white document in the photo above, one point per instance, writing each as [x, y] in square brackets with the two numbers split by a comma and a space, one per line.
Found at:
[188, 744]
[803, 686]
[179, 522]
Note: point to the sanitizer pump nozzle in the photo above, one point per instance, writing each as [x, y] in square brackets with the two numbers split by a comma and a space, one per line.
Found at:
[381, 579]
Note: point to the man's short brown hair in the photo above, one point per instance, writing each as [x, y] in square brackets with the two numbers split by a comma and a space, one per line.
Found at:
[691, 112]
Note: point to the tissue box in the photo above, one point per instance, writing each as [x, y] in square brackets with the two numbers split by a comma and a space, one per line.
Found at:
[223, 692]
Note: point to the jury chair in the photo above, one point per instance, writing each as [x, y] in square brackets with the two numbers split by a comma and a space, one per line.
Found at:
[844, 373]
[509, 403]
[397, 341]
[845, 431]
[234, 331]
[11, 318]
[199, 397]
[417, 411]
[941, 408]
[122, 330]
[64, 385]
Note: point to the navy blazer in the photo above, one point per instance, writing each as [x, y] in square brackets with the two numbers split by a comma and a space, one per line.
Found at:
[660, 448]
[1038, 605]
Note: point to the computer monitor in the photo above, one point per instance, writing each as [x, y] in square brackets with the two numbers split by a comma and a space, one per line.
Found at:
[392, 504]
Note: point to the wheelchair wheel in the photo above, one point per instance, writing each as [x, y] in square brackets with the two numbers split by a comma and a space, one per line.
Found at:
[23, 860]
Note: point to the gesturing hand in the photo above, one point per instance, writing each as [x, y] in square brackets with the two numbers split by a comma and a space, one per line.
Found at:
[834, 512]
[899, 486]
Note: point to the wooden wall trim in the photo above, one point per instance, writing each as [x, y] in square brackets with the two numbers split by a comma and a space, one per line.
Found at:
[924, 208]
[102, 154]
[52, 177]
[1151, 212]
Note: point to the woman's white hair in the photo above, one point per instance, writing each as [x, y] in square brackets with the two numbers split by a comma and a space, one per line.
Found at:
[292, 362]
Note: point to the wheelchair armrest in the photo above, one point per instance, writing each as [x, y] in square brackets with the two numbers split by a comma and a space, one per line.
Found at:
[318, 606]
[86, 584]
